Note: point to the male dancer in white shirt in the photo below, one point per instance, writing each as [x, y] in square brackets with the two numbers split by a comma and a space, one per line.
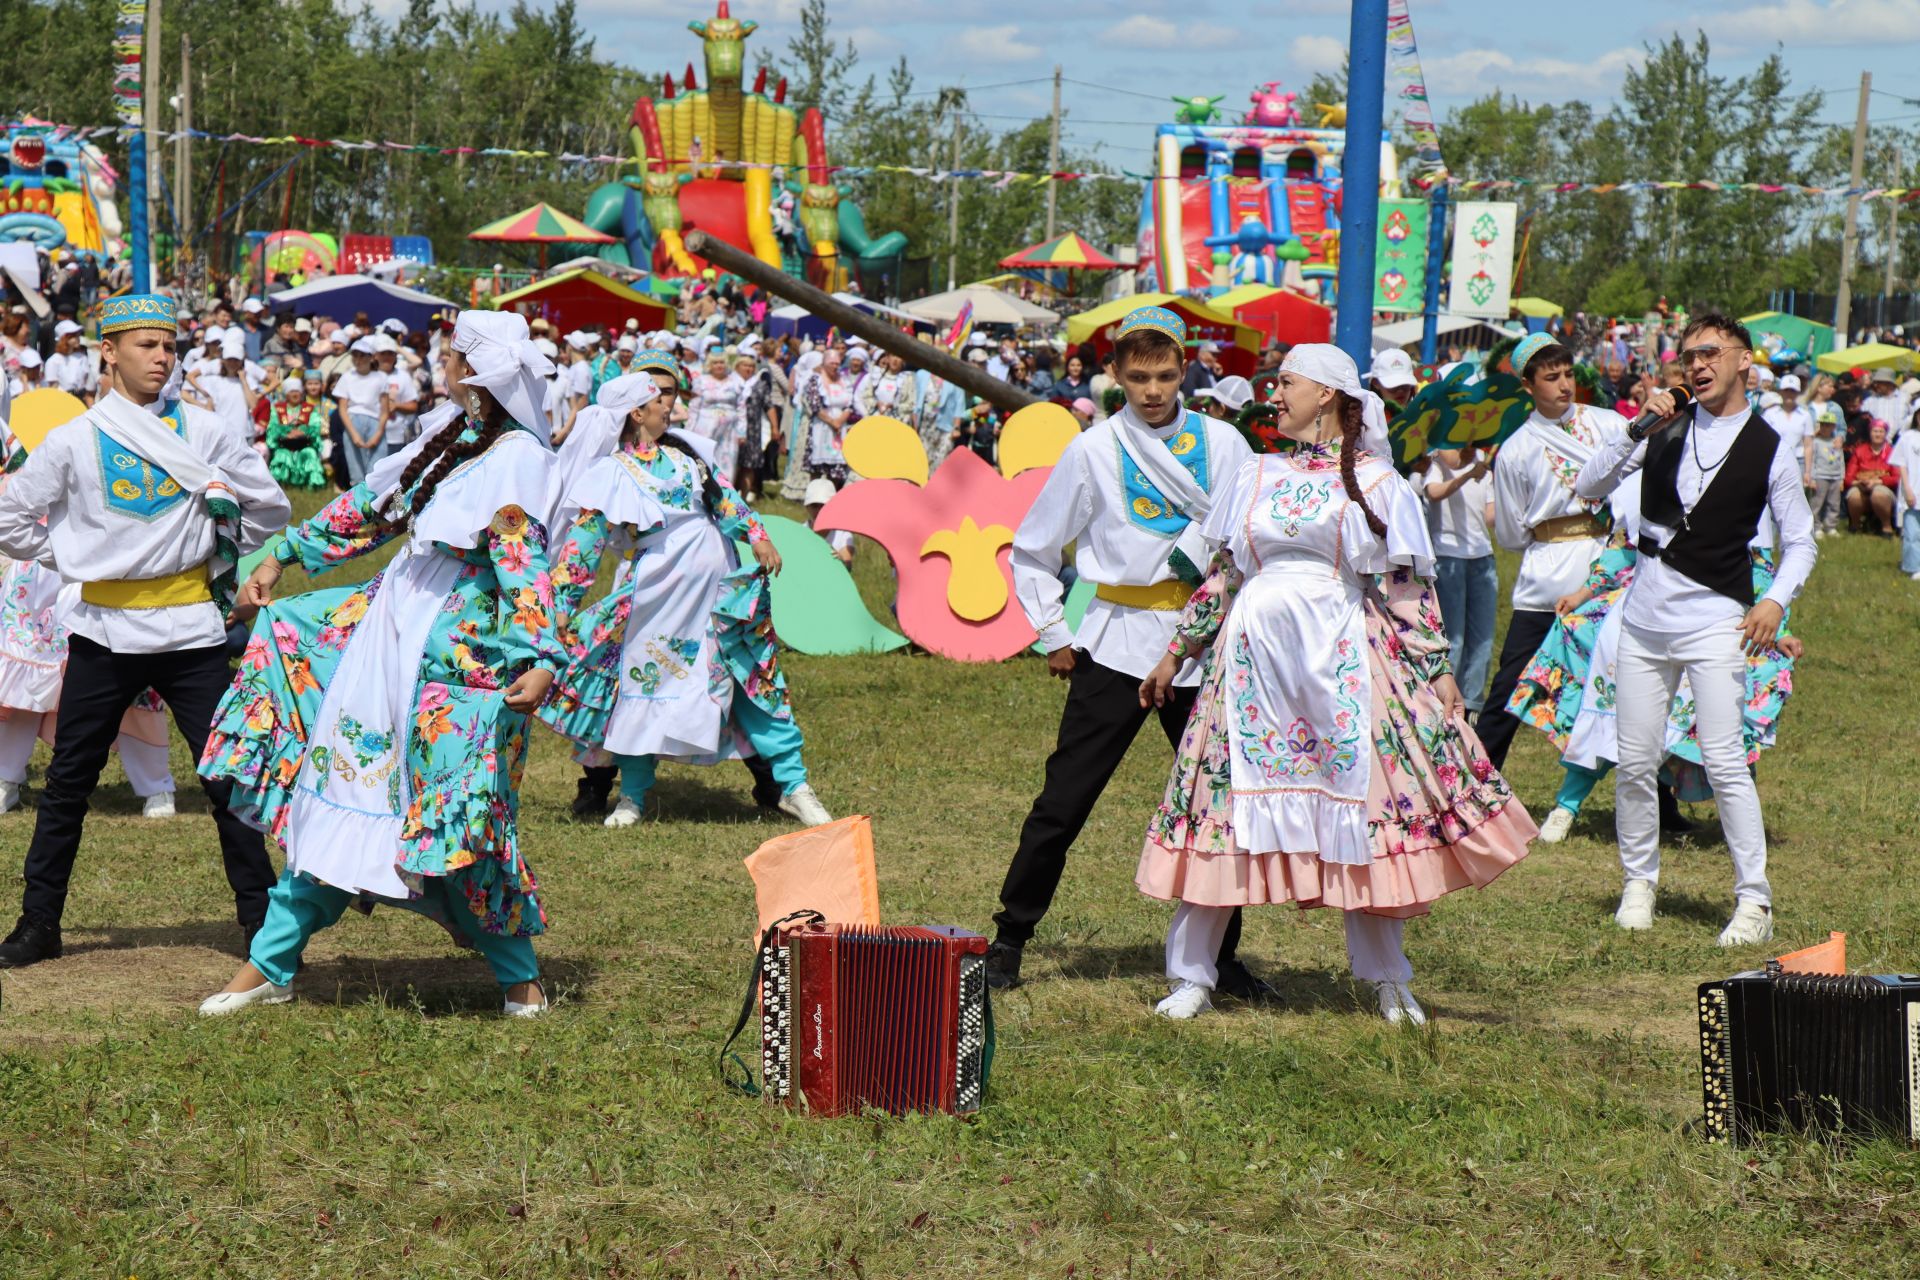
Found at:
[146, 504]
[1709, 478]
[1131, 495]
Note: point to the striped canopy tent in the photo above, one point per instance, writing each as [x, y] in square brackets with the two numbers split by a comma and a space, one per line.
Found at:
[1054, 262]
[542, 224]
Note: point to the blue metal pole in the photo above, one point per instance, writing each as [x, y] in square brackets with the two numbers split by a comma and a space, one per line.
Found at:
[137, 207]
[1436, 252]
[1360, 177]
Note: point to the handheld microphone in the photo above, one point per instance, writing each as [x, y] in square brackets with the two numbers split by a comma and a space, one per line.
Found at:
[1643, 426]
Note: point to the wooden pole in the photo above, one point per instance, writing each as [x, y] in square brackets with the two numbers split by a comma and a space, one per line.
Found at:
[972, 379]
[1843, 296]
[1053, 153]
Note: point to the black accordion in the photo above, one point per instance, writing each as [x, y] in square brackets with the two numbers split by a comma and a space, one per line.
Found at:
[856, 1016]
[1810, 1051]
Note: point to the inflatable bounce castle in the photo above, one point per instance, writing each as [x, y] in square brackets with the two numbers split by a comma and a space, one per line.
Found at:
[1251, 203]
[57, 193]
[737, 164]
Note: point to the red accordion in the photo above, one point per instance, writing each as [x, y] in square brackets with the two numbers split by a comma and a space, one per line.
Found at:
[854, 1016]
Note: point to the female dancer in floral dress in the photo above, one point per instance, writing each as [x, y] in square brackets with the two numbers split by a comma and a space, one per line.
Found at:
[714, 407]
[678, 660]
[379, 731]
[1567, 691]
[1327, 762]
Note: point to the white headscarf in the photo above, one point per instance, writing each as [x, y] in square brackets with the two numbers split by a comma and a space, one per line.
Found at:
[1329, 366]
[504, 360]
[627, 392]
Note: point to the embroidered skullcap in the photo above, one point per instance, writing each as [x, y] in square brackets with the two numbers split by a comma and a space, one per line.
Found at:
[655, 362]
[136, 311]
[1530, 346]
[624, 394]
[503, 360]
[1328, 365]
[1159, 319]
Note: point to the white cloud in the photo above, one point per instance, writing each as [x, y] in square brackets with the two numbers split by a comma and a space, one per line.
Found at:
[1473, 72]
[1317, 53]
[1837, 23]
[1142, 31]
[1001, 44]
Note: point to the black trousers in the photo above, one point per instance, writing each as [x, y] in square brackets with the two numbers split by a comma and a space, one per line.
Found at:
[1100, 721]
[1526, 628]
[100, 685]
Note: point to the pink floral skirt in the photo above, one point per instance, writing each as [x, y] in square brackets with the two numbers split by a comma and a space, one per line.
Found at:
[1439, 815]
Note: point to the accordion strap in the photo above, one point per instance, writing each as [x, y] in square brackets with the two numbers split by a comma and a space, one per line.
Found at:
[740, 1077]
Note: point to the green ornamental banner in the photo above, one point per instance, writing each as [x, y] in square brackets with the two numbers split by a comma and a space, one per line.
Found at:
[1400, 257]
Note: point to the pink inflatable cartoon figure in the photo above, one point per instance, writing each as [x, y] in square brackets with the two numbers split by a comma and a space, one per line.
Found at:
[1271, 107]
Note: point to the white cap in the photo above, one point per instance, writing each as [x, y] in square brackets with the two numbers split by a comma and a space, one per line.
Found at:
[1766, 375]
[578, 340]
[592, 336]
[253, 306]
[233, 347]
[977, 355]
[393, 326]
[303, 325]
[66, 327]
[633, 324]
[1790, 383]
[819, 492]
[384, 345]
[627, 343]
[1393, 368]
[1233, 391]
[1770, 400]
[546, 348]
[364, 347]
[213, 335]
[29, 358]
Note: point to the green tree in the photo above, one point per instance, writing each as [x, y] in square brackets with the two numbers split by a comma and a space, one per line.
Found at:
[1623, 291]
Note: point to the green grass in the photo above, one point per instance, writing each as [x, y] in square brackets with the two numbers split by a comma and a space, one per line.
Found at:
[389, 1123]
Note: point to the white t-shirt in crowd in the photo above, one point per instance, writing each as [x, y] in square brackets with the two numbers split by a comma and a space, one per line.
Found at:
[361, 392]
[71, 373]
[403, 387]
[1793, 426]
[1458, 522]
[580, 379]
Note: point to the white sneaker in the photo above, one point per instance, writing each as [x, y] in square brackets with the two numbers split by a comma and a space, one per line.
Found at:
[624, 814]
[234, 1001]
[1636, 905]
[1819, 533]
[802, 805]
[1397, 1004]
[1751, 923]
[1189, 1000]
[1915, 576]
[1555, 828]
[514, 1009]
[159, 805]
[9, 796]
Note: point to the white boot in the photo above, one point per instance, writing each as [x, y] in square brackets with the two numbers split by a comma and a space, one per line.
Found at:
[1555, 828]
[1397, 1004]
[159, 805]
[802, 805]
[1636, 906]
[9, 796]
[624, 814]
[1189, 1000]
[234, 1001]
[1751, 924]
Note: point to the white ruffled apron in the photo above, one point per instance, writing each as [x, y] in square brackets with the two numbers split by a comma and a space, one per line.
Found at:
[674, 690]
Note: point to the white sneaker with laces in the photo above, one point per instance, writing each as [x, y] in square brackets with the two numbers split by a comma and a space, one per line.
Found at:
[1555, 828]
[234, 1001]
[9, 796]
[1189, 1000]
[1636, 906]
[1751, 923]
[1397, 1004]
[624, 814]
[159, 805]
[802, 805]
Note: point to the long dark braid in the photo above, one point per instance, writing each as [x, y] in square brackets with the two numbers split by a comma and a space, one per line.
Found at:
[1351, 420]
[709, 485]
[447, 450]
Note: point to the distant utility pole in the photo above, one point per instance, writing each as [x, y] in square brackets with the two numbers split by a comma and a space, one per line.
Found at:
[953, 99]
[1843, 299]
[1053, 154]
[1893, 218]
[182, 152]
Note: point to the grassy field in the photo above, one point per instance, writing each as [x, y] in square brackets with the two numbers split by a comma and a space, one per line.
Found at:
[390, 1123]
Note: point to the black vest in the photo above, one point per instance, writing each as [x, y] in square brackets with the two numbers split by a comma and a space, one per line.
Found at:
[1709, 544]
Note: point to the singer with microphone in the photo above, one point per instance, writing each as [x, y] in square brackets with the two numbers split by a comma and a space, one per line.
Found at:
[1711, 470]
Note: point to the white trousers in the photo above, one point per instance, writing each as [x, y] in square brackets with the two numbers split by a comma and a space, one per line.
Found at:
[1373, 945]
[1648, 671]
[145, 764]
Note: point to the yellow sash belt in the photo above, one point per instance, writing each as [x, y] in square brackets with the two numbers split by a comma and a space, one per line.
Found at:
[189, 586]
[1171, 594]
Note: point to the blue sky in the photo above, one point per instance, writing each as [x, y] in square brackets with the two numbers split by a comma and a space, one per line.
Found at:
[1547, 50]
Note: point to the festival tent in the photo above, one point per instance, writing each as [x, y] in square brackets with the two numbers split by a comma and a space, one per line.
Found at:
[799, 322]
[990, 306]
[575, 299]
[1281, 314]
[1809, 337]
[1239, 342]
[1054, 262]
[1472, 332]
[1537, 308]
[339, 297]
[1872, 355]
[540, 224]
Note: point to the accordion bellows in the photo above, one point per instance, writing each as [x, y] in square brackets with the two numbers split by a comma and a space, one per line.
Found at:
[853, 1017]
[1782, 1050]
